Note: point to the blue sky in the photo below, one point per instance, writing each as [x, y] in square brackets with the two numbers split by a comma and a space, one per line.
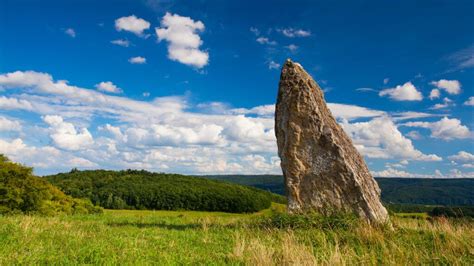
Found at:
[189, 86]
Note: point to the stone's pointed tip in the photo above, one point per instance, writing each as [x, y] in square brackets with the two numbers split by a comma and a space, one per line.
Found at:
[291, 64]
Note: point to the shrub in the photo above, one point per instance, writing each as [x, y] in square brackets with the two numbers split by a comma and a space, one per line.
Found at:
[22, 192]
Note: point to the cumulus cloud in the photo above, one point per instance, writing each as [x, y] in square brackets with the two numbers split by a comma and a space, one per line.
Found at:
[9, 125]
[292, 32]
[71, 32]
[450, 86]
[391, 172]
[405, 92]
[470, 101]
[13, 103]
[64, 135]
[171, 134]
[453, 173]
[108, 86]
[121, 42]
[446, 128]
[81, 163]
[183, 39]
[462, 156]
[132, 24]
[262, 110]
[18, 151]
[137, 60]
[446, 103]
[414, 135]
[434, 94]
[380, 138]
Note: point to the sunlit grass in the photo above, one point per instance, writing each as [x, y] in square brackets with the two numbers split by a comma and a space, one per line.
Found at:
[183, 237]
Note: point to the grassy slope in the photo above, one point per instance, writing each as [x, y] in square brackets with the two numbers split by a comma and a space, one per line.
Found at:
[169, 237]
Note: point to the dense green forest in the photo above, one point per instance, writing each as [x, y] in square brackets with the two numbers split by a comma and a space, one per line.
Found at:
[22, 192]
[139, 189]
[449, 192]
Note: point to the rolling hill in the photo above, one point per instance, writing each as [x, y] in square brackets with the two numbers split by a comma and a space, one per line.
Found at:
[449, 192]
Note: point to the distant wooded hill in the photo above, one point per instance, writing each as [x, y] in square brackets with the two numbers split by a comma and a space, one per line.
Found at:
[449, 192]
[139, 189]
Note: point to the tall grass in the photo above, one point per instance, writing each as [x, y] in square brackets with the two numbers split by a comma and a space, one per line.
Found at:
[166, 237]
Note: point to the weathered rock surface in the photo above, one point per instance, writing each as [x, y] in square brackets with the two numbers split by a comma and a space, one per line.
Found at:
[323, 170]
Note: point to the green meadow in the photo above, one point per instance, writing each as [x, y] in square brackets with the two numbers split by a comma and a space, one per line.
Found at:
[137, 237]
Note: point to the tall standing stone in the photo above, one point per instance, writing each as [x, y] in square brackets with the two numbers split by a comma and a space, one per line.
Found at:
[323, 170]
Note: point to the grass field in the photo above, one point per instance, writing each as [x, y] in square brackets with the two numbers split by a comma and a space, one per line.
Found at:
[182, 237]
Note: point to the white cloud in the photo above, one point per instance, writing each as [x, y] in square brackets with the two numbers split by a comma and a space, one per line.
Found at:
[434, 94]
[450, 86]
[132, 24]
[380, 138]
[82, 163]
[462, 59]
[349, 112]
[9, 125]
[391, 172]
[293, 48]
[146, 94]
[405, 92]
[71, 32]
[167, 135]
[468, 165]
[292, 32]
[470, 101]
[462, 156]
[414, 135]
[108, 86]
[262, 110]
[273, 65]
[183, 39]
[65, 135]
[137, 60]
[171, 134]
[456, 173]
[411, 115]
[114, 131]
[446, 103]
[41, 157]
[446, 128]
[121, 42]
[13, 103]
[265, 40]
[364, 89]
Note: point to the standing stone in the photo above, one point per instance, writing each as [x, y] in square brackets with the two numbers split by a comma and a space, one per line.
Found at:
[323, 170]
